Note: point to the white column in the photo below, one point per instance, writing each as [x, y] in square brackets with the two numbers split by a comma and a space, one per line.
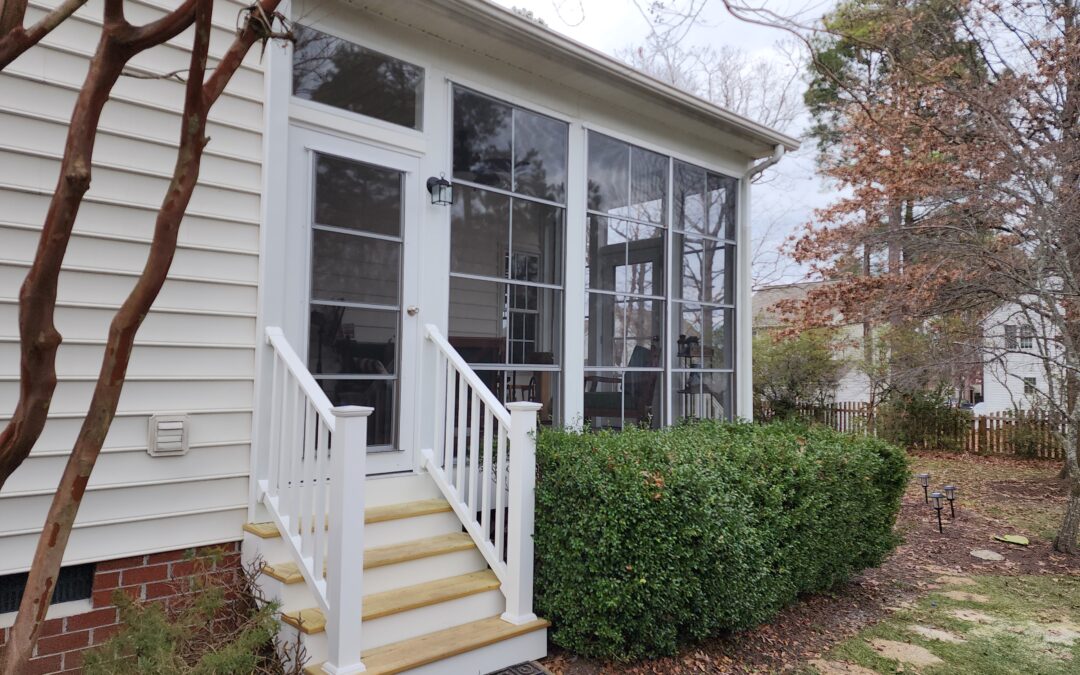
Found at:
[345, 561]
[744, 319]
[522, 517]
[573, 362]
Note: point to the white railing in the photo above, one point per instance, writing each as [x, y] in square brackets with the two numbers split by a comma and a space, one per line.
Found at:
[484, 462]
[312, 484]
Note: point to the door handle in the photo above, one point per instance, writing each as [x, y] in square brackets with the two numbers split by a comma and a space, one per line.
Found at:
[412, 310]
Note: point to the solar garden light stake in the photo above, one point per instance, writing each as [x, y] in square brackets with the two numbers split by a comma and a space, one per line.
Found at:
[937, 497]
[924, 481]
[950, 494]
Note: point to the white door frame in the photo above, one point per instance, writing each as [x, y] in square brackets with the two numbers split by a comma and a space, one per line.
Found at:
[303, 144]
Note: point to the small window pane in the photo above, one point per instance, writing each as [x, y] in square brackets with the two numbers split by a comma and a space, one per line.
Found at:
[338, 73]
[357, 196]
[700, 395]
[623, 332]
[351, 341]
[722, 206]
[538, 242]
[615, 400]
[649, 173]
[479, 232]
[625, 256]
[705, 270]
[540, 146]
[499, 323]
[703, 336]
[538, 386]
[379, 394]
[609, 175]
[689, 184]
[482, 140]
[354, 268]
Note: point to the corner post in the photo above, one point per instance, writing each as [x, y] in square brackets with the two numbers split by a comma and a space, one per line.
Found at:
[522, 516]
[345, 559]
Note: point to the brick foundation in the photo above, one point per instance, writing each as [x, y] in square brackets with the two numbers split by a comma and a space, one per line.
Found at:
[156, 577]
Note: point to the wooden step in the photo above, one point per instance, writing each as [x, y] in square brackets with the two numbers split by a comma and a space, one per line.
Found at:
[420, 651]
[373, 514]
[289, 572]
[378, 605]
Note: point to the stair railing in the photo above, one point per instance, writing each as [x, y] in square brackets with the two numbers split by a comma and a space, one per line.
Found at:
[313, 487]
[484, 462]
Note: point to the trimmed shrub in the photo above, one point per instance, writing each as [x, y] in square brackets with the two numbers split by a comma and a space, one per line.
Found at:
[923, 419]
[646, 540]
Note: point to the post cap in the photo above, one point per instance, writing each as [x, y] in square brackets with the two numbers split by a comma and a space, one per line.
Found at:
[524, 406]
[352, 410]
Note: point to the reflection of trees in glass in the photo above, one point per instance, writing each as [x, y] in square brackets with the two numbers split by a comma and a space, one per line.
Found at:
[357, 196]
[329, 70]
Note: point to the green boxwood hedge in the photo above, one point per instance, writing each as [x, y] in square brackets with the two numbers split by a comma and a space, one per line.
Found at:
[646, 540]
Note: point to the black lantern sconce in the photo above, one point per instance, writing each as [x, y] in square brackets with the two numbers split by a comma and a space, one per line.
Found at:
[442, 190]
[924, 481]
[950, 494]
[937, 497]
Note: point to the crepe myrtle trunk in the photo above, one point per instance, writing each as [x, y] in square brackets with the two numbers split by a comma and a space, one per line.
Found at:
[120, 41]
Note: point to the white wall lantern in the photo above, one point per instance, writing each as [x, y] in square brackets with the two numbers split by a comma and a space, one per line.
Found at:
[442, 191]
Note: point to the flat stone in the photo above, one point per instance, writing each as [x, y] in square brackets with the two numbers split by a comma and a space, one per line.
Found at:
[949, 580]
[935, 634]
[964, 596]
[905, 653]
[1017, 539]
[840, 668]
[973, 616]
[987, 554]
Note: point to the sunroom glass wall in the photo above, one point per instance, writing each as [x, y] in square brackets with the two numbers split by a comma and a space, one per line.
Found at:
[507, 237]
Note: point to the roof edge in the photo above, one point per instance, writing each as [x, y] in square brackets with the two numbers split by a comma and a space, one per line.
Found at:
[485, 10]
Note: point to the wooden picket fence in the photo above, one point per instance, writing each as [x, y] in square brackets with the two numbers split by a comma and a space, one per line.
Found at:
[1023, 434]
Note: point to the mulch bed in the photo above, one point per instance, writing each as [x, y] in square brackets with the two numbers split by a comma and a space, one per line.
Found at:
[805, 630]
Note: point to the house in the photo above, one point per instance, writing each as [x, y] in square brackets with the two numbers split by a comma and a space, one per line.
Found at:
[420, 232]
[1015, 357]
[853, 384]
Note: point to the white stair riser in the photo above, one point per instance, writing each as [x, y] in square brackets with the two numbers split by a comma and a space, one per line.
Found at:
[410, 529]
[381, 491]
[416, 622]
[313, 647]
[290, 597]
[498, 656]
[270, 549]
[389, 577]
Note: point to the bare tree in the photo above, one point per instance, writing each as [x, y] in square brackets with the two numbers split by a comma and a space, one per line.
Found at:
[120, 41]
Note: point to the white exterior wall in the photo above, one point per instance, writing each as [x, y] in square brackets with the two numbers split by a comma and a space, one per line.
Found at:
[195, 352]
[1004, 369]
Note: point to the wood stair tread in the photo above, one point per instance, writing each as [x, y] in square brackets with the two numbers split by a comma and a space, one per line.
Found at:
[372, 514]
[419, 651]
[289, 572]
[398, 600]
[416, 549]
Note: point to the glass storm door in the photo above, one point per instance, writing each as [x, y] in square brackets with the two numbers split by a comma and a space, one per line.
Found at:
[360, 340]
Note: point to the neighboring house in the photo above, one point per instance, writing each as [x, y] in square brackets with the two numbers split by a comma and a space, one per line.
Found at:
[593, 265]
[853, 384]
[1015, 376]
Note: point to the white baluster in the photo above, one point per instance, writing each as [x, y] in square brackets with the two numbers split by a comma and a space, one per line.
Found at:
[474, 450]
[500, 493]
[322, 469]
[485, 476]
[310, 519]
[519, 549]
[448, 418]
[345, 562]
[460, 450]
[275, 424]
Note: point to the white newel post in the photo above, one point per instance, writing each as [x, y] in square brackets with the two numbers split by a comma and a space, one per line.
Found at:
[522, 505]
[345, 560]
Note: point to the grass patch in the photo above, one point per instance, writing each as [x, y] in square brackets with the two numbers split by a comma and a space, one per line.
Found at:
[1033, 629]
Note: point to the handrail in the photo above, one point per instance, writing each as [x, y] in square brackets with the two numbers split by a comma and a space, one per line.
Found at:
[484, 463]
[319, 400]
[486, 395]
[311, 480]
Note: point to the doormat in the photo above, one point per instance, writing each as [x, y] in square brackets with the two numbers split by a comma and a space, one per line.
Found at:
[529, 668]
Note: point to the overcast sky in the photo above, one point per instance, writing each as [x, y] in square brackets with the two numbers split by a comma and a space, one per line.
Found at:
[789, 197]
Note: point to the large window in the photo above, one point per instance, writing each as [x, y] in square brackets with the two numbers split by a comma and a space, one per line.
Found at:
[650, 257]
[506, 257]
[338, 73]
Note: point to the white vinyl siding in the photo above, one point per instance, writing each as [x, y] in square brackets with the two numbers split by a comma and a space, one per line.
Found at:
[195, 353]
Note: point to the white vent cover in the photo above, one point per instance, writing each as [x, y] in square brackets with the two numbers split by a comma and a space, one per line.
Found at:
[168, 435]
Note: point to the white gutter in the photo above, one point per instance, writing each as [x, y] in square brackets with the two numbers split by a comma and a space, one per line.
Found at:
[778, 152]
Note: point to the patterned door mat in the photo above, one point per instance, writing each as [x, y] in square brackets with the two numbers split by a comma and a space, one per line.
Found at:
[528, 668]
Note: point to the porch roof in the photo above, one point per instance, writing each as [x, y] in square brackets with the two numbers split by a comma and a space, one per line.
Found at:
[447, 18]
